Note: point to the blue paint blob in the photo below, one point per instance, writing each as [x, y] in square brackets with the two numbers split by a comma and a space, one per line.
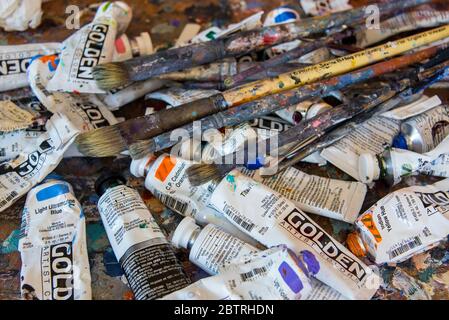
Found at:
[290, 277]
[312, 263]
[11, 244]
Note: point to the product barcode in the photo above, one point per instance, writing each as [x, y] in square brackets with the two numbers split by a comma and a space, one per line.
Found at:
[405, 247]
[8, 198]
[174, 204]
[256, 271]
[245, 225]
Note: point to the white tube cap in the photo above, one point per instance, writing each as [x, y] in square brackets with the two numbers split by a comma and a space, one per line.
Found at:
[145, 44]
[139, 166]
[369, 169]
[184, 232]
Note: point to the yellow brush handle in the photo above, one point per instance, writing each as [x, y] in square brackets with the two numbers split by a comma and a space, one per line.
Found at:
[286, 81]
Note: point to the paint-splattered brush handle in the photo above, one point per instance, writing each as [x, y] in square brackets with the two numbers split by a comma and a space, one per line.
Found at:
[176, 59]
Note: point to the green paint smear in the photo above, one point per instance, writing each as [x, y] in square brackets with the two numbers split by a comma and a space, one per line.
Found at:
[426, 275]
[97, 239]
[106, 6]
[11, 244]
[231, 179]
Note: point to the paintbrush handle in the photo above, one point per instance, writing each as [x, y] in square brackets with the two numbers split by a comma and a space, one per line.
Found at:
[333, 67]
[176, 59]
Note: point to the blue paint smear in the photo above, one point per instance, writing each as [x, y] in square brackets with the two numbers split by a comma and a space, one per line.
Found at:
[290, 277]
[231, 179]
[52, 191]
[111, 264]
[312, 263]
[97, 239]
[11, 244]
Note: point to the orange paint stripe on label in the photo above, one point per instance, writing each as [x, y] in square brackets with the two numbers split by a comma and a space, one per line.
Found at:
[368, 221]
[165, 168]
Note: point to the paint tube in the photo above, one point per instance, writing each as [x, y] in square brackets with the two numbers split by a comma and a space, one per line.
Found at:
[149, 262]
[126, 48]
[422, 133]
[271, 219]
[370, 137]
[52, 245]
[93, 44]
[273, 274]
[367, 36]
[402, 224]
[177, 96]
[211, 247]
[166, 178]
[336, 199]
[30, 168]
[322, 7]
[393, 164]
[117, 98]
[15, 59]
[19, 15]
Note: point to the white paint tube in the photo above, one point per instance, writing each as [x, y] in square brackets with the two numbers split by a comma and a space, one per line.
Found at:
[424, 132]
[211, 247]
[19, 15]
[336, 199]
[408, 21]
[148, 260]
[15, 59]
[166, 178]
[370, 137]
[53, 248]
[175, 97]
[273, 274]
[271, 219]
[394, 164]
[93, 44]
[402, 224]
[30, 168]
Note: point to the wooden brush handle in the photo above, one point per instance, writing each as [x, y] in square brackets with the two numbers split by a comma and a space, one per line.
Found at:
[165, 120]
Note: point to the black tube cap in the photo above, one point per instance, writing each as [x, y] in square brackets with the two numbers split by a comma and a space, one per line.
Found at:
[108, 179]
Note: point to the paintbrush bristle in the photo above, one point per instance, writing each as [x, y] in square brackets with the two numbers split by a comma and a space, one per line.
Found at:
[141, 148]
[110, 75]
[199, 174]
[102, 142]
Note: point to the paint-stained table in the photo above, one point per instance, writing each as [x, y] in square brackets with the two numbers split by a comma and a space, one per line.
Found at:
[425, 276]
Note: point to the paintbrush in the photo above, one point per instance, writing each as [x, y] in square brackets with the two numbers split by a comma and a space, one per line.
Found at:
[308, 131]
[113, 75]
[269, 104]
[109, 141]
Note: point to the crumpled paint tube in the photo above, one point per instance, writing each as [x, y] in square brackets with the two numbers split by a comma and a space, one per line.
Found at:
[19, 15]
[211, 247]
[15, 59]
[149, 262]
[93, 44]
[166, 178]
[30, 168]
[273, 274]
[402, 224]
[53, 248]
[394, 164]
[336, 199]
[271, 219]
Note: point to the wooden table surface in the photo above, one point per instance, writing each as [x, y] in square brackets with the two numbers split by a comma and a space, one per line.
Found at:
[425, 276]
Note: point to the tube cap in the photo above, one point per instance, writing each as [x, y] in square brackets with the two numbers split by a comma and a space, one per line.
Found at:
[316, 109]
[400, 142]
[184, 232]
[356, 245]
[145, 44]
[138, 166]
[107, 176]
[369, 169]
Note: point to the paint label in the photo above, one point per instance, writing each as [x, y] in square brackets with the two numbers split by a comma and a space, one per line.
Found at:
[30, 168]
[55, 265]
[370, 137]
[12, 117]
[214, 247]
[14, 61]
[331, 198]
[150, 264]
[405, 223]
[273, 274]
[418, 107]
[271, 219]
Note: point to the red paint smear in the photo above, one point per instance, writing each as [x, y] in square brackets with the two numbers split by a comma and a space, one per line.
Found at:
[120, 45]
[269, 38]
[128, 295]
